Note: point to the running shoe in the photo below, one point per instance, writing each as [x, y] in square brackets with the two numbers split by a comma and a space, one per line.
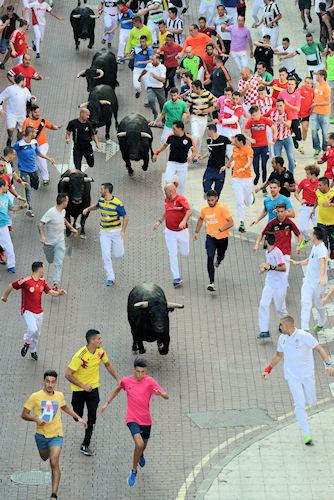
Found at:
[53, 495]
[11, 270]
[132, 478]
[177, 282]
[211, 287]
[38, 55]
[303, 244]
[318, 329]
[308, 440]
[217, 262]
[256, 179]
[24, 349]
[316, 153]
[34, 356]
[242, 228]
[33, 45]
[109, 282]
[103, 41]
[142, 461]
[301, 150]
[137, 95]
[30, 213]
[86, 450]
[263, 336]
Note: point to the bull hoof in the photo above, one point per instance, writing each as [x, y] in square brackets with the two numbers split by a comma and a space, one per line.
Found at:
[83, 236]
[145, 167]
[163, 352]
[130, 172]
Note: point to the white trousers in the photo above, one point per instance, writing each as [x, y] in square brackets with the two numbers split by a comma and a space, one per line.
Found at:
[155, 30]
[7, 245]
[112, 245]
[123, 38]
[39, 35]
[311, 296]
[198, 127]
[232, 13]
[257, 5]
[109, 23]
[42, 164]
[177, 242]
[208, 10]
[240, 58]
[34, 326]
[303, 392]
[165, 133]
[135, 75]
[270, 294]
[304, 221]
[26, 11]
[273, 33]
[242, 189]
[180, 170]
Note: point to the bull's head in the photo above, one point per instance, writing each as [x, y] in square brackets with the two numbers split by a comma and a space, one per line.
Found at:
[94, 106]
[133, 143]
[85, 23]
[158, 312]
[76, 185]
[92, 76]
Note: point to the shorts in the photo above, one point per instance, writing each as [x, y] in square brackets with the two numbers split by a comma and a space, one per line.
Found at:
[144, 430]
[44, 443]
[304, 119]
[13, 121]
[304, 5]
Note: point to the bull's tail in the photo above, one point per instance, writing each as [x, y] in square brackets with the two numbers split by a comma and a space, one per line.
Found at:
[116, 120]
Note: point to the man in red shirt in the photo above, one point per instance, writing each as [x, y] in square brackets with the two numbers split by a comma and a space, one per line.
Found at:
[18, 43]
[328, 157]
[278, 84]
[307, 95]
[25, 69]
[209, 60]
[31, 309]
[176, 216]
[257, 125]
[305, 194]
[169, 51]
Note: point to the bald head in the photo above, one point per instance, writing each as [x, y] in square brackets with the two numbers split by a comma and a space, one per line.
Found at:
[245, 73]
[170, 191]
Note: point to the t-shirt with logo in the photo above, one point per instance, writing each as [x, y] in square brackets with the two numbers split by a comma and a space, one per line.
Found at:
[277, 87]
[30, 122]
[274, 278]
[298, 354]
[111, 212]
[175, 210]
[270, 205]
[283, 177]
[82, 132]
[283, 232]
[215, 218]
[19, 41]
[258, 130]
[170, 52]
[28, 71]
[139, 393]
[173, 111]
[179, 147]
[325, 214]
[217, 151]
[26, 155]
[86, 367]
[142, 55]
[47, 407]
[125, 18]
[32, 291]
[308, 188]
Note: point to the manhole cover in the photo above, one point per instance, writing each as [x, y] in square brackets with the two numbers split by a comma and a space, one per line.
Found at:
[230, 418]
[32, 477]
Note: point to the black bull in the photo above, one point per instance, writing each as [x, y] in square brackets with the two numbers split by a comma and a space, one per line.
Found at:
[135, 140]
[77, 186]
[148, 312]
[102, 104]
[83, 24]
[102, 70]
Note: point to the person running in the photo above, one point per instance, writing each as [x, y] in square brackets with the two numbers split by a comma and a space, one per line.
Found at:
[139, 29]
[176, 216]
[43, 407]
[175, 25]
[51, 229]
[214, 176]
[269, 21]
[270, 203]
[82, 134]
[328, 157]
[313, 52]
[306, 195]
[282, 122]
[325, 204]
[110, 12]
[8, 25]
[38, 10]
[154, 10]
[218, 222]
[26, 69]
[139, 388]
[169, 52]
[241, 39]
[124, 22]
[307, 94]
[175, 109]
[32, 288]
[18, 43]
[84, 374]
[281, 174]
[112, 229]
[155, 79]
[320, 111]
[141, 55]
[293, 99]
[201, 103]
[296, 347]
[230, 112]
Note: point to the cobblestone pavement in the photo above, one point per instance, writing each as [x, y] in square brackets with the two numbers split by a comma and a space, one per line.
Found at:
[214, 361]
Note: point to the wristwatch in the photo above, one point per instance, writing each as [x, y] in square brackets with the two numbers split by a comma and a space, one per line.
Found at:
[328, 363]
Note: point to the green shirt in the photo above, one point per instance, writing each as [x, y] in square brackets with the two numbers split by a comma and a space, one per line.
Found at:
[134, 38]
[330, 68]
[174, 111]
[312, 53]
[266, 76]
[191, 64]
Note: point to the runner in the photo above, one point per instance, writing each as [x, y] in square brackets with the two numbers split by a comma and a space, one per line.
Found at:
[155, 79]
[306, 195]
[320, 111]
[32, 288]
[271, 202]
[214, 176]
[43, 408]
[8, 25]
[281, 174]
[325, 205]
[25, 69]
[282, 121]
[110, 12]
[307, 94]
[139, 389]
[175, 109]
[82, 134]
[169, 52]
[201, 103]
[18, 43]
[84, 374]
[38, 10]
[124, 22]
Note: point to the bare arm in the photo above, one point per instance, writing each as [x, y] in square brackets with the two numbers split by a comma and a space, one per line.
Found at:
[42, 235]
[198, 227]
[275, 360]
[260, 217]
[67, 409]
[112, 396]
[26, 415]
[185, 219]
[112, 371]
[90, 209]
[6, 293]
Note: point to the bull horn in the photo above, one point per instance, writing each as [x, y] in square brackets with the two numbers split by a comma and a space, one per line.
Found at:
[173, 305]
[142, 305]
[103, 101]
[100, 73]
[94, 16]
[76, 16]
[145, 134]
[84, 105]
[81, 73]
[66, 179]
[121, 134]
[88, 179]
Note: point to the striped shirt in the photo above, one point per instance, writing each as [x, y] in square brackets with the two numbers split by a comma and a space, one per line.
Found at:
[176, 24]
[200, 103]
[283, 132]
[264, 104]
[270, 11]
[111, 212]
[155, 15]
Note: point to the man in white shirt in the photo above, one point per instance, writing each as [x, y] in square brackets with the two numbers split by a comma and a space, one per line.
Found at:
[283, 50]
[314, 281]
[38, 10]
[297, 347]
[155, 78]
[15, 98]
[51, 229]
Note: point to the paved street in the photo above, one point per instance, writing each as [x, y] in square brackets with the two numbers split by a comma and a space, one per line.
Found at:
[214, 363]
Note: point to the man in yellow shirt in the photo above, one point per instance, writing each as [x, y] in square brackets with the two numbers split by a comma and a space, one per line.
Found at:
[325, 205]
[137, 31]
[320, 111]
[84, 375]
[218, 222]
[163, 32]
[43, 408]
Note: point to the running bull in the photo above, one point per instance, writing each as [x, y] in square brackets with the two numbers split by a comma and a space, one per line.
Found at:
[135, 140]
[77, 186]
[83, 24]
[148, 312]
[102, 70]
[102, 104]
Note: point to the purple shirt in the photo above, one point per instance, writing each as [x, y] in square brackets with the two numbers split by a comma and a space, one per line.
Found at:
[240, 37]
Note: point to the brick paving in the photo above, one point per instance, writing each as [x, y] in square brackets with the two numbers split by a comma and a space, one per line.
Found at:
[214, 361]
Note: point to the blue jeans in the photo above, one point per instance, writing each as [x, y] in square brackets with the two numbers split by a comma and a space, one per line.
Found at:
[212, 177]
[319, 122]
[260, 153]
[287, 144]
[32, 179]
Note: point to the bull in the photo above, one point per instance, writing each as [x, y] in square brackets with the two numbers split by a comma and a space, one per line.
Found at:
[102, 104]
[148, 312]
[135, 140]
[77, 186]
[83, 24]
[103, 70]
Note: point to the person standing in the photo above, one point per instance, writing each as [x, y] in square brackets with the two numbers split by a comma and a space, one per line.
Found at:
[296, 347]
[175, 109]
[176, 216]
[84, 375]
[201, 103]
[112, 229]
[155, 80]
[38, 10]
[82, 134]
[213, 177]
[306, 195]
[51, 229]
[325, 205]
[218, 222]
[320, 111]
[139, 388]
[32, 288]
[43, 407]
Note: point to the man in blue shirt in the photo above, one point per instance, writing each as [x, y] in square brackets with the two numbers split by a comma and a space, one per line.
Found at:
[125, 24]
[141, 55]
[270, 203]
[26, 150]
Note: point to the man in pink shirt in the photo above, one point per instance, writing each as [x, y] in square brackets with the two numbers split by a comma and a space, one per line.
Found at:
[139, 389]
[292, 100]
[241, 38]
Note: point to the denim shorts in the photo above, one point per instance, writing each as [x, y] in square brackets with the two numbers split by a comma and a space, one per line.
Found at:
[144, 430]
[44, 443]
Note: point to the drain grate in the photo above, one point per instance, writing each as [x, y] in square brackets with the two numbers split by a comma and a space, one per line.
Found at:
[230, 418]
[32, 477]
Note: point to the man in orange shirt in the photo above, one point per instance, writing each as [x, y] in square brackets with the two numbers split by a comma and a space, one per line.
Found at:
[198, 42]
[320, 111]
[242, 182]
[218, 222]
[40, 124]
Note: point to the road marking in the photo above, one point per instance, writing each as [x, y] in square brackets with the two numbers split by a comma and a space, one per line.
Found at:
[109, 148]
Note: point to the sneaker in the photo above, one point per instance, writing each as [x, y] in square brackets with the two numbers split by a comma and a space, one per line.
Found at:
[30, 213]
[316, 153]
[109, 282]
[177, 282]
[34, 356]
[318, 329]
[38, 55]
[11, 270]
[256, 179]
[46, 183]
[211, 287]
[132, 478]
[142, 461]
[217, 262]
[53, 495]
[303, 244]
[24, 349]
[2, 66]
[33, 45]
[295, 142]
[137, 95]
[242, 228]
[263, 336]
[308, 440]
[301, 150]
[86, 450]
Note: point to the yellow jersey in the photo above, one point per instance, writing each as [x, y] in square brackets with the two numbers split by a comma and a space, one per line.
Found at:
[86, 367]
[47, 407]
[325, 214]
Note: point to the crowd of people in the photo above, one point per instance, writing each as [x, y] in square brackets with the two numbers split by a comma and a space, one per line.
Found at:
[181, 71]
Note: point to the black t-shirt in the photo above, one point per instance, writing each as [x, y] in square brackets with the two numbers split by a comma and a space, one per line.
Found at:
[219, 82]
[264, 54]
[82, 133]
[284, 177]
[217, 151]
[179, 148]
[12, 25]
